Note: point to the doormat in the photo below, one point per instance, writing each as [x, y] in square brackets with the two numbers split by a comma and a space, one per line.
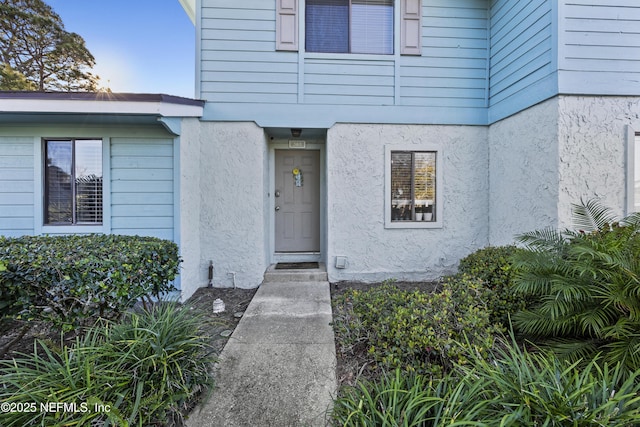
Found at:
[296, 265]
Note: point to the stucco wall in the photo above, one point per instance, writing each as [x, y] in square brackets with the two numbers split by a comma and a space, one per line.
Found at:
[222, 203]
[555, 154]
[523, 177]
[355, 193]
[592, 147]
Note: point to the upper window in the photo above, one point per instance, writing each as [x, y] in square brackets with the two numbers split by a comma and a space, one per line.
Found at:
[73, 181]
[349, 26]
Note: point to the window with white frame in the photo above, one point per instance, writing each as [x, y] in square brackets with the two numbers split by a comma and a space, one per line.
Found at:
[349, 26]
[412, 189]
[73, 181]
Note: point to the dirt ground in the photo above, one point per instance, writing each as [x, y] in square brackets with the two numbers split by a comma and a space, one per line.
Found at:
[236, 300]
[221, 325]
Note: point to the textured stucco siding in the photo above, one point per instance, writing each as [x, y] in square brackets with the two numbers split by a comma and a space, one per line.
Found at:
[553, 155]
[523, 172]
[592, 147]
[356, 189]
[222, 202]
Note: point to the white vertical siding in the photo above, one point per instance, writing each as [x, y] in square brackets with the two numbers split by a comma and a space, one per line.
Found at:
[142, 187]
[16, 186]
[600, 47]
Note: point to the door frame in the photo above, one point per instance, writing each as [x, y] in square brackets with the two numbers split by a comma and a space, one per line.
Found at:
[276, 257]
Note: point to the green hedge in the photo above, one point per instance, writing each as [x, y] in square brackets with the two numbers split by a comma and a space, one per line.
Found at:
[493, 265]
[67, 279]
[387, 328]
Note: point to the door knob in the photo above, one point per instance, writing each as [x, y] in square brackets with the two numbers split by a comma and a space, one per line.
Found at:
[277, 208]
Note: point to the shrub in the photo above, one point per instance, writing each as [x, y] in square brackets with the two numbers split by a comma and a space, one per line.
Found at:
[513, 387]
[66, 279]
[412, 330]
[587, 287]
[494, 266]
[144, 370]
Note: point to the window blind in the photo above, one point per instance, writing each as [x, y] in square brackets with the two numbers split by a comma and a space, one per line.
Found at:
[327, 26]
[355, 26]
[88, 180]
[413, 184]
[372, 26]
[73, 182]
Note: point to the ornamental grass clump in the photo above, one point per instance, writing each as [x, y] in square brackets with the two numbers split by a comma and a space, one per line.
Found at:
[147, 370]
[586, 284]
[511, 387]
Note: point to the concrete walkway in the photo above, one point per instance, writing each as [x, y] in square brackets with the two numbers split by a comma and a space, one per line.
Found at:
[278, 368]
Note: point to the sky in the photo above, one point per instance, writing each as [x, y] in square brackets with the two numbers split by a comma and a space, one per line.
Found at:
[141, 46]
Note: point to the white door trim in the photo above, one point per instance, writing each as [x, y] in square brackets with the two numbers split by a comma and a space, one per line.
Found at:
[304, 256]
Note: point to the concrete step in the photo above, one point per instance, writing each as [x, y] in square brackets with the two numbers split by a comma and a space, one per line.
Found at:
[309, 275]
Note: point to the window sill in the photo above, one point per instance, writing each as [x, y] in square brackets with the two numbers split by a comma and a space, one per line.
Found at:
[350, 56]
[72, 229]
[412, 224]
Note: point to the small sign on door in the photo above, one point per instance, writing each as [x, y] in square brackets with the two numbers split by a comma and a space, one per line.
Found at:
[297, 177]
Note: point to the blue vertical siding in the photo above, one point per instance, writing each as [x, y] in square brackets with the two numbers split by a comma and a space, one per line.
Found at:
[16, 186]
[522, 70]
[600, 47]
[142, 187]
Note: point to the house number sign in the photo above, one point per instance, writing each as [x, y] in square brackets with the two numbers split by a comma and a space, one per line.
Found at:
[297, 177]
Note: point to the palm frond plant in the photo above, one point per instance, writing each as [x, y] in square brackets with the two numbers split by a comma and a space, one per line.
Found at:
[586, 284]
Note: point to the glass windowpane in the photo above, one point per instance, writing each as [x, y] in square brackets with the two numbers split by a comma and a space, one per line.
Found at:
[327, 26]
[73, 182]
[343, 26]
[400, 186]
[413, 186]
[88, 180]
[372, 26]
[425, 184]
[58, 188]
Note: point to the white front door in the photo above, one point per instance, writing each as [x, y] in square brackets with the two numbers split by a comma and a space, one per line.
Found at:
[297, 200]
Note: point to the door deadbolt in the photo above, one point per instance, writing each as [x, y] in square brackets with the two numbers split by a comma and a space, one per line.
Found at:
[277, 193]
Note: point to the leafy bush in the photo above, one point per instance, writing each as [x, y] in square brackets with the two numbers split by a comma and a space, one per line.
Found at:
[390, 328]
[494, 266]
[513, 387]
[142, 371]
[66, 279]
[587, 287]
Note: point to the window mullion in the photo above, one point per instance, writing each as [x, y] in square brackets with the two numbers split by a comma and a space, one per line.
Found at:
[413, 186]
[73, 182]
[349, 26]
